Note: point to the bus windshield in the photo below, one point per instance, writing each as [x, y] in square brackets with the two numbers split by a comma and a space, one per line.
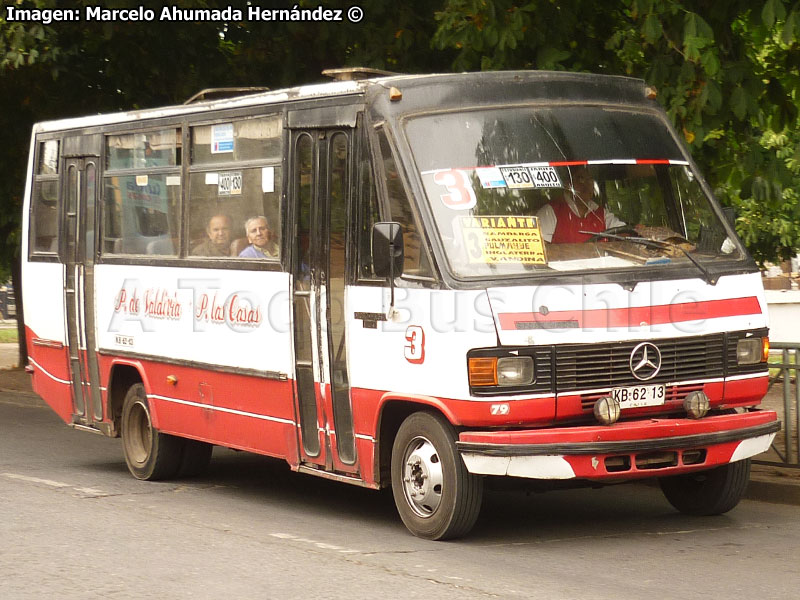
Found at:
[526, 190]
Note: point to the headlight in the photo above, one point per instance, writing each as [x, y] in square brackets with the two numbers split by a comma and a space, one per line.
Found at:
[751, 351]
[515, 370]
[507, 371]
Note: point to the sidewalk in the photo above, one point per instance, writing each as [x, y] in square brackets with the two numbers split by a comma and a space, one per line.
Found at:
[775, 484]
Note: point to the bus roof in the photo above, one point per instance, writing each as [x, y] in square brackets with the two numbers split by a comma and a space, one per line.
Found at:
[532, 85]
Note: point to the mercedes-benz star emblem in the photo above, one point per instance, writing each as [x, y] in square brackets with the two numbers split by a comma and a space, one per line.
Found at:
[645, 361]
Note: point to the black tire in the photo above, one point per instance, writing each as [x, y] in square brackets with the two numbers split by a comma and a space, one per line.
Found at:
[436, 496]
[195, 459]
[150, 455]
[711, 492]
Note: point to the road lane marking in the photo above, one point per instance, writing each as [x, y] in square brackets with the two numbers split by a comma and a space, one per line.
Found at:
[320, 545]
[87, 491]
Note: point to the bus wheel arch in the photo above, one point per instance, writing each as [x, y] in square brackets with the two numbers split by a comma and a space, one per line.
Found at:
[393, 411]
[149, 454]
[120, 380]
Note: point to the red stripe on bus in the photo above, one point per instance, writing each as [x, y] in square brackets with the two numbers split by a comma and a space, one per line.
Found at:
[636, 316]
[568, 163]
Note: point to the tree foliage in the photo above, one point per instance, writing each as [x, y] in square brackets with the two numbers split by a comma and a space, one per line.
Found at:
[727, 74]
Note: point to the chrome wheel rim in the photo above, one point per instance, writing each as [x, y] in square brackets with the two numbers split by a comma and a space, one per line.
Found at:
[423, 479]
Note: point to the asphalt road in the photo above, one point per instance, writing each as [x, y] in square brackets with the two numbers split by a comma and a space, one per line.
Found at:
[75, 524]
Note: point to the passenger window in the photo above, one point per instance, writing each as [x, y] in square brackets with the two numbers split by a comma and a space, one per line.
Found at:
[141, 212]
[44, 216]
[417, 262]
[224, 194]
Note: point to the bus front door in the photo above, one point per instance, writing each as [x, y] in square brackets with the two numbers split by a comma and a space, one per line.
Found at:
[321, 171]
[79, 254]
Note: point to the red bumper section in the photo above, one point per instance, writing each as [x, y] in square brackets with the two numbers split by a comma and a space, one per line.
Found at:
[625, 450]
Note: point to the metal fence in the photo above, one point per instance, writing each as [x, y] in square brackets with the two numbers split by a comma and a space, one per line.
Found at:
[785, 450]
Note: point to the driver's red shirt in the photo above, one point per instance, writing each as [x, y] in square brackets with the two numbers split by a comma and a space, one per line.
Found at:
[568, 224]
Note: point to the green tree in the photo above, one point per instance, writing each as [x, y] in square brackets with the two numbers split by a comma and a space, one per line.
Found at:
[726, 73]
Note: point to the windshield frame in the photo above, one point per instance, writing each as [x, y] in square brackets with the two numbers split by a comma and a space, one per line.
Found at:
[625, 276]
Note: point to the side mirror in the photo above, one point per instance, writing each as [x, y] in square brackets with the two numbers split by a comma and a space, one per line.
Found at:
[387, 249]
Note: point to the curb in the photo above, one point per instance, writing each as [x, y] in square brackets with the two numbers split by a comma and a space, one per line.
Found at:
[773, 492]
[774, 483]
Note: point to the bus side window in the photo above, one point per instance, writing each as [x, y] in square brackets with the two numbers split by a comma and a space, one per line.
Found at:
[235, 174]
[142, 195]
[417, 261]
[44, 217]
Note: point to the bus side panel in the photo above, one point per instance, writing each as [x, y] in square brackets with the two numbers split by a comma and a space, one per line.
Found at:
[234, 319]
[423, 350]
[214, 347]
[240, 411]
[45, 330]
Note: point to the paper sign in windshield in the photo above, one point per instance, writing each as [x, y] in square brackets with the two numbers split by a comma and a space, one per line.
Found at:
[496, 240]
[545, 177]
[517, 177]
[490, 177]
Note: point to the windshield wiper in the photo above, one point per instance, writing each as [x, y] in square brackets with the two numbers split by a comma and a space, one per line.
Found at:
[707, 276]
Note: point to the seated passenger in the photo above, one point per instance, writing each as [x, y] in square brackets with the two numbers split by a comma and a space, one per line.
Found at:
[562, 219]
[219, 238]
[260, 238]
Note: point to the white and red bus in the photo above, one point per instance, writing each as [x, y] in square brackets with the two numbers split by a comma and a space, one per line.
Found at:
[424, 282]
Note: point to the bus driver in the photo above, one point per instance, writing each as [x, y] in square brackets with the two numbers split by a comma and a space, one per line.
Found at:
[562, 219]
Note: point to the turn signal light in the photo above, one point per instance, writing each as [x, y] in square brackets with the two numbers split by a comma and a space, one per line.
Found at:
[482, 370]
[764, 349]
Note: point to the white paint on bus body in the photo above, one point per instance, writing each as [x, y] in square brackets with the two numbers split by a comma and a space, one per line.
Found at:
[227, 318]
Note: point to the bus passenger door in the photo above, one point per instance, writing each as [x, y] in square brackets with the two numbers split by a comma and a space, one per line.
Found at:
[79, 252]
[321, 173]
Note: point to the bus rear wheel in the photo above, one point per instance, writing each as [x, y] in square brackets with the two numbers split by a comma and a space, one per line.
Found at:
[150, 454]
[711, 492]
[436, 496]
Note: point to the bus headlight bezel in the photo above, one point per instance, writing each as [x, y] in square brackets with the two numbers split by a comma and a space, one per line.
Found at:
[751, 351]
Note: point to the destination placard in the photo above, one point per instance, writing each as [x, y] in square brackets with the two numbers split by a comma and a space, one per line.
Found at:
[501, 239]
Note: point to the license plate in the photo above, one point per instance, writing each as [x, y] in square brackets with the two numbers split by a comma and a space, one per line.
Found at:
[640, 395]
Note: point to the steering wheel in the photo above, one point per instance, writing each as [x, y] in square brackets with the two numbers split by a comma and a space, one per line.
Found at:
[621, 229]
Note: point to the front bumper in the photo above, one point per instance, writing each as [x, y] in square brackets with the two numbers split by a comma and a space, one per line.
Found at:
[625, 450]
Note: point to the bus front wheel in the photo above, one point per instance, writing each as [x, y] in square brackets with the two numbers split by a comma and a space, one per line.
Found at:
[150, 455]
[711, 492]
[436, 496]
